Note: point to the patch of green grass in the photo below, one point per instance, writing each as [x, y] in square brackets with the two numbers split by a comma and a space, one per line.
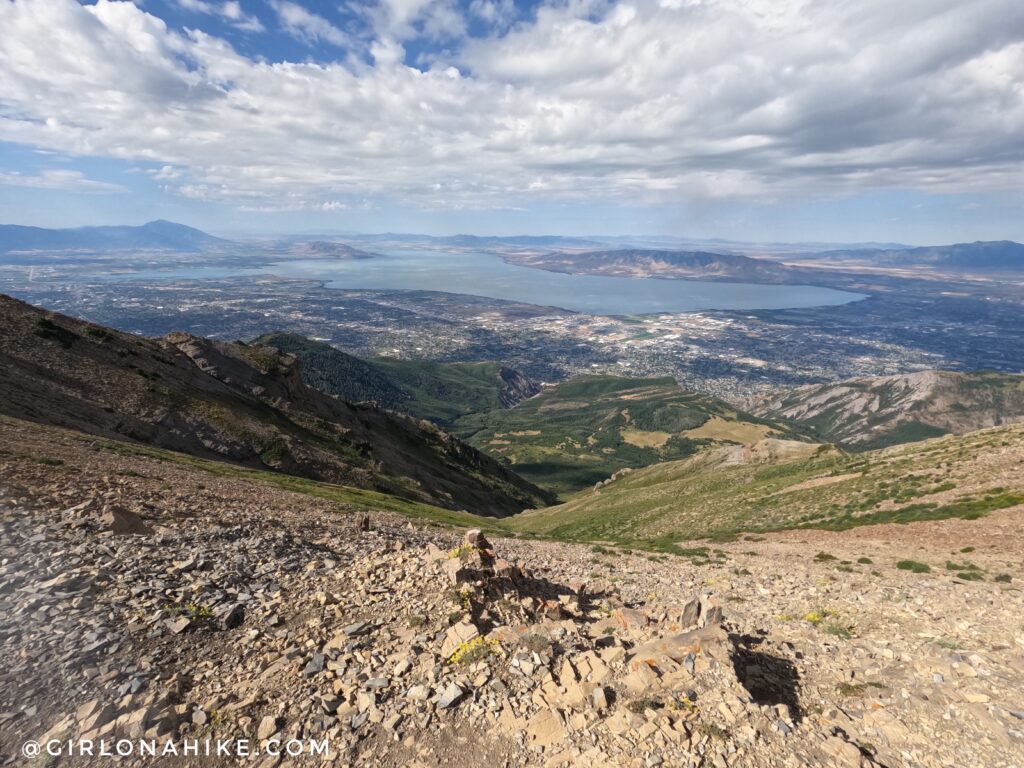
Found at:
[970, 576]
[824, 557]
[1003, 578]
[964, 566]
[913, 566]
[665, 505]
[865, 560]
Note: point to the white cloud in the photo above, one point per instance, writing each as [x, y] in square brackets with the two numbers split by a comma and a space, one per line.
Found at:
[645, 102]
[498, 13]
[406, 19]
[230, 10]
[307, 26]
[71, 181]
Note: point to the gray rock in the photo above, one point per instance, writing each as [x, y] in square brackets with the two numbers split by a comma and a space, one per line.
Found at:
[233, 616]
[450, 696]
[179, 625]
[315, 665]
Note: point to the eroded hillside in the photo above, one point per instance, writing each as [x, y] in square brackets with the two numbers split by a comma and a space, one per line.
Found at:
[873, 412]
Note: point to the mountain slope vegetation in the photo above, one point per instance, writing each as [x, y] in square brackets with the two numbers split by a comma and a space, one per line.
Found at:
[242, 403]
[873, 412]
[775, 485]
[440, 392]
[581, 431]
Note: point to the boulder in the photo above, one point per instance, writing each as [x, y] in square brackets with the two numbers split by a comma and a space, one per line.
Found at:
[450, 696]
[711, 640]
[458, 634]
[122, 522]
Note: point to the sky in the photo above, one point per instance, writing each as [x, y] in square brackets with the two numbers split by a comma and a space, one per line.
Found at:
[766, 120]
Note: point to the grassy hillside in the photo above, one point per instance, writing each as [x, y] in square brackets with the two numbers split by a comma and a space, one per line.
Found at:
[440, 392]
[582, 431]
[875, 412]
[775, 485]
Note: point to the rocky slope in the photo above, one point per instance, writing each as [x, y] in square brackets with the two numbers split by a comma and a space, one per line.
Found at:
[140, 599]
[871, 412]
[237, 402]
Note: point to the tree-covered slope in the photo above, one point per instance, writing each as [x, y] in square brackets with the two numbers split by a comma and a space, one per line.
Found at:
[440, 392]
[579, 432]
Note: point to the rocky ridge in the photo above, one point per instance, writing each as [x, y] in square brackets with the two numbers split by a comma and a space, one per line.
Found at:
[237, 402]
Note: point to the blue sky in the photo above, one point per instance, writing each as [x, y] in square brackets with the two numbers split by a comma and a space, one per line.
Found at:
[744, 119]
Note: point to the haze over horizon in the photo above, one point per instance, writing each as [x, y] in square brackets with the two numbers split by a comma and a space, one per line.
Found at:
[747, 120]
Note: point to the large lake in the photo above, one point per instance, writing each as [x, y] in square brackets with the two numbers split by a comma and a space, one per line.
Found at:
[483, 274]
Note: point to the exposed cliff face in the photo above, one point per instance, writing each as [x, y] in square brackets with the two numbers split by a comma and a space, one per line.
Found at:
[516, 387]
[243, 403]
[874, 411]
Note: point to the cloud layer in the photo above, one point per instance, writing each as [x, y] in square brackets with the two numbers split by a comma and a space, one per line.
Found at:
[632, 103]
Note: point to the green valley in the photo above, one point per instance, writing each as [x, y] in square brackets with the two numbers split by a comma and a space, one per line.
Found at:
[582, 431]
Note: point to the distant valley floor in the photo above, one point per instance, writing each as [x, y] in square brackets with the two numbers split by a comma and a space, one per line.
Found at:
[729, 354]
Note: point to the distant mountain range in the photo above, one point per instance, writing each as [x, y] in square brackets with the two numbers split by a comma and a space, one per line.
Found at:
[981, 256]
[659, 256]
[155, 235]
[482, 241]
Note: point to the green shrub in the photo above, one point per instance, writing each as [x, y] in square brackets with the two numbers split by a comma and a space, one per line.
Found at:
[913, 566]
